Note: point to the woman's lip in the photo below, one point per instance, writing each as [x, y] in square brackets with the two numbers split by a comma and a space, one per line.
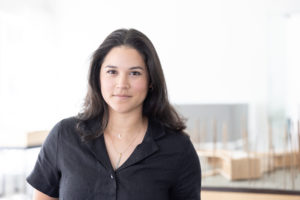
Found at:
[121, 95]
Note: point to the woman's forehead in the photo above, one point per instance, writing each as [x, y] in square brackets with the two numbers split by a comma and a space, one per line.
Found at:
[124, 57]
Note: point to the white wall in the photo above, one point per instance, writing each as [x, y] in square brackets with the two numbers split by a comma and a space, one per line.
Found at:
[212, 51]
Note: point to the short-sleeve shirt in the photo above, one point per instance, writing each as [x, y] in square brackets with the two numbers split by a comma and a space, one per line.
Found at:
[165, 166]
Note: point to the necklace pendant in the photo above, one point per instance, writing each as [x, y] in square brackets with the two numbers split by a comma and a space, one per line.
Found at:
[119, 160]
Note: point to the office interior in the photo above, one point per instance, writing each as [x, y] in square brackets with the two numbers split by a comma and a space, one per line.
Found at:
[232, 69]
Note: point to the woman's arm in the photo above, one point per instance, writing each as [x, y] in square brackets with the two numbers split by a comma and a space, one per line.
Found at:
[37, 195]
[188, 184]
[45, 177]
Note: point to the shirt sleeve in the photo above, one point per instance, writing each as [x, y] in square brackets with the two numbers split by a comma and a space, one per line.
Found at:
[188, 183]
[45, 176]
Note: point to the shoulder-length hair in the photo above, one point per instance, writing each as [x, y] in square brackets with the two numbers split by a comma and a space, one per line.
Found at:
[93, 119]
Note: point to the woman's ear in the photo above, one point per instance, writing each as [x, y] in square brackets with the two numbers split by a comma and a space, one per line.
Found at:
[150, 87]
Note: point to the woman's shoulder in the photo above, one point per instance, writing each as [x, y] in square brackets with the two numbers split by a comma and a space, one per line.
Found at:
[174, 140]
[178, 137]
[69, 123]
[65, 127]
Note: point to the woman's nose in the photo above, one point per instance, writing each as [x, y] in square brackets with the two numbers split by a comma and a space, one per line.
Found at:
[122, 82]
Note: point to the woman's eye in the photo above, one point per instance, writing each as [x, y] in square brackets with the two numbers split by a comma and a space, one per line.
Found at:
[135, 73]
[111, 72]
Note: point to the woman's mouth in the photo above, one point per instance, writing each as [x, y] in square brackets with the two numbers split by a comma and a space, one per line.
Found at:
[121, 96]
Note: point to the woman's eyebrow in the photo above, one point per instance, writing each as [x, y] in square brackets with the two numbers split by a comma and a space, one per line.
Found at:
[110, 66]
[136, 67]
[131, 68]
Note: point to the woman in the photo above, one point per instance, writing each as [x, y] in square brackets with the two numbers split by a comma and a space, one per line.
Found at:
[128, 142]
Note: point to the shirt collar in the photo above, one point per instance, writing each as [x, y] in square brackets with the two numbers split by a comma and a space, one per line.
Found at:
[148, 147]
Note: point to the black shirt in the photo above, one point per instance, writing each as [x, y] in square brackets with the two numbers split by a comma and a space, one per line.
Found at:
[165, 166]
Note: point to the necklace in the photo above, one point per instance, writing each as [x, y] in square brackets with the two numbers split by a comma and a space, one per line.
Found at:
[122, 152]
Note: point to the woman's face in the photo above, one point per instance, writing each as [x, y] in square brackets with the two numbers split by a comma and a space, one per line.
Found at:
[124, 80]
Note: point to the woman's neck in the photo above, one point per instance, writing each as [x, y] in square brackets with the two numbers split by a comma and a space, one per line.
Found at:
[126, 124]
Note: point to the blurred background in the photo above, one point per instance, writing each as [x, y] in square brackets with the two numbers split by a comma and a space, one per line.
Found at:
[232, 69]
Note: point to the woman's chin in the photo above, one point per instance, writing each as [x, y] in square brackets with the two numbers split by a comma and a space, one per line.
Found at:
[122, 109]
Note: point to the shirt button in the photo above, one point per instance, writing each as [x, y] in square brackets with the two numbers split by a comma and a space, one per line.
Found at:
[111, 176]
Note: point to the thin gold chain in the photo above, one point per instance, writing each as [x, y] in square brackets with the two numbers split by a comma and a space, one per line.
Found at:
[122, 152]
[125, 148]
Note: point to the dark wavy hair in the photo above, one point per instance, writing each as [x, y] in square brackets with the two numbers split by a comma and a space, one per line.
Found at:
[93, 119]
